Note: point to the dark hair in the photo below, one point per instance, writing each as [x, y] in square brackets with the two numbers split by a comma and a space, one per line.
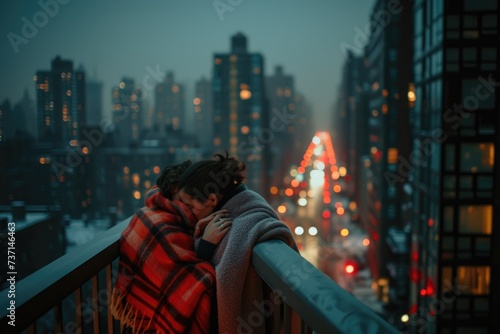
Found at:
[218, 175]
[170, 177]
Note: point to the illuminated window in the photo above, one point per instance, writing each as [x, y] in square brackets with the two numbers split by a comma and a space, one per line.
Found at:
[245, 94]
[470, 88]
[475, 279]
[475, 219]
[217, 61]
[392, 155]
[477, 157]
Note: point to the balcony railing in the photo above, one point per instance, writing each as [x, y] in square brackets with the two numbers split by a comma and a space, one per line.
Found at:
[71, 294]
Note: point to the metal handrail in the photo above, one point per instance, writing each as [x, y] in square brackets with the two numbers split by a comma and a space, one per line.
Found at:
[39, 292]
[320, 302]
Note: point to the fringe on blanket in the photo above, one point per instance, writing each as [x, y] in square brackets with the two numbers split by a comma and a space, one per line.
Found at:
[127, 314]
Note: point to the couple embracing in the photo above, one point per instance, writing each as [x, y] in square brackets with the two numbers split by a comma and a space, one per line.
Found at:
[185, 258]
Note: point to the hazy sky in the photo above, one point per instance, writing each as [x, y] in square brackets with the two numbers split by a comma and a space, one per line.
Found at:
[129, 38]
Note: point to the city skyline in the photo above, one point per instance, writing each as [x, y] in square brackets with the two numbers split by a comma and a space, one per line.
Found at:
[308, 40]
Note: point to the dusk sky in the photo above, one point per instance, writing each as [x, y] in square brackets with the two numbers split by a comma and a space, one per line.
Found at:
[126, 38]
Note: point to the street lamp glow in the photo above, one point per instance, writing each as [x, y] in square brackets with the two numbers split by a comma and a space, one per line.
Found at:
[302, 201]
[366, 242]
[319, 165]
[299, 230]
[344, 232]
[317, 177]
[281, 209]
[405, 318]
[342, 171]
[313, 230]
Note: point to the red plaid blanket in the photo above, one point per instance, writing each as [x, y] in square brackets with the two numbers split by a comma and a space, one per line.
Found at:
[161, 285]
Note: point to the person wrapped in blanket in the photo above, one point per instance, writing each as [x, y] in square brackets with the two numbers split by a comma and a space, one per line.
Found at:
[163, 286]
[244, 302]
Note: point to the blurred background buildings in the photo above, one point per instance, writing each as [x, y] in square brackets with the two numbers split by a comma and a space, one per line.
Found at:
[397, 194]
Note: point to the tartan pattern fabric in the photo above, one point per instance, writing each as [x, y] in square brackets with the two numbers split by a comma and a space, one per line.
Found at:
[162, 286]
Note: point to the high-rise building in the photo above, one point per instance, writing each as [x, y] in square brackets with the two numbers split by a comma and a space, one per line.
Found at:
[127, 113]
[454, 168]
[388, 54]
[93, 102]
[240, 108]
[60, 104]
[202, 104]
[281, 94]
[375, 107]
[169, 107]
[350, 121]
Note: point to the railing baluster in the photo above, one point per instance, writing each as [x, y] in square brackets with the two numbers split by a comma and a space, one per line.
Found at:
[287, 320]
[305, 327]
[109, 289]
[277, 318]
[58, 321]
[78, 310]
[95, 302]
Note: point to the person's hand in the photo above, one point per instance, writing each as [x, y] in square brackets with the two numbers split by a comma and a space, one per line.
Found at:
[217, 229]
[202, 223]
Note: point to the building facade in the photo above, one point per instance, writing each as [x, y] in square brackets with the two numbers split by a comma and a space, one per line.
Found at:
[240, 114]
[203, 112]
[454, 170]
[127, 113]
[170, 107]
[60, 104]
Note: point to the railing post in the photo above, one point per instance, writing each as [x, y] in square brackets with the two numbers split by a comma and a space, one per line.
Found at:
[95, 302]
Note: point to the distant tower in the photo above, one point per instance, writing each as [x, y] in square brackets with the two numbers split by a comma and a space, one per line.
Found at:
[240, 108]
[127, 112]
[27, 106]
[93, 102]
[60, 103]
[170, 106]
[202, 104]
[281, 94]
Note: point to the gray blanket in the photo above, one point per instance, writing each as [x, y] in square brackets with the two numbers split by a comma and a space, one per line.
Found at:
[241, 308]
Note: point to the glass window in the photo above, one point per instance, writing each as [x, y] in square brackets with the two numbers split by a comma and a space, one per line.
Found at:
[452, 54]
[464, 244]
[489, 21]
[483, 245]
[418, 24]
[477, 157]
[475, 219]
[466, 182]
[470, 34]
[449, 182]
[481, 304]
[452, 22]
[448, 219]
[449, 159]
[446, 277]
[470, 21]
[489, 54]
[437, 8]
[473, 5]
[469, 54]
[484, 182]
[475, 280]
